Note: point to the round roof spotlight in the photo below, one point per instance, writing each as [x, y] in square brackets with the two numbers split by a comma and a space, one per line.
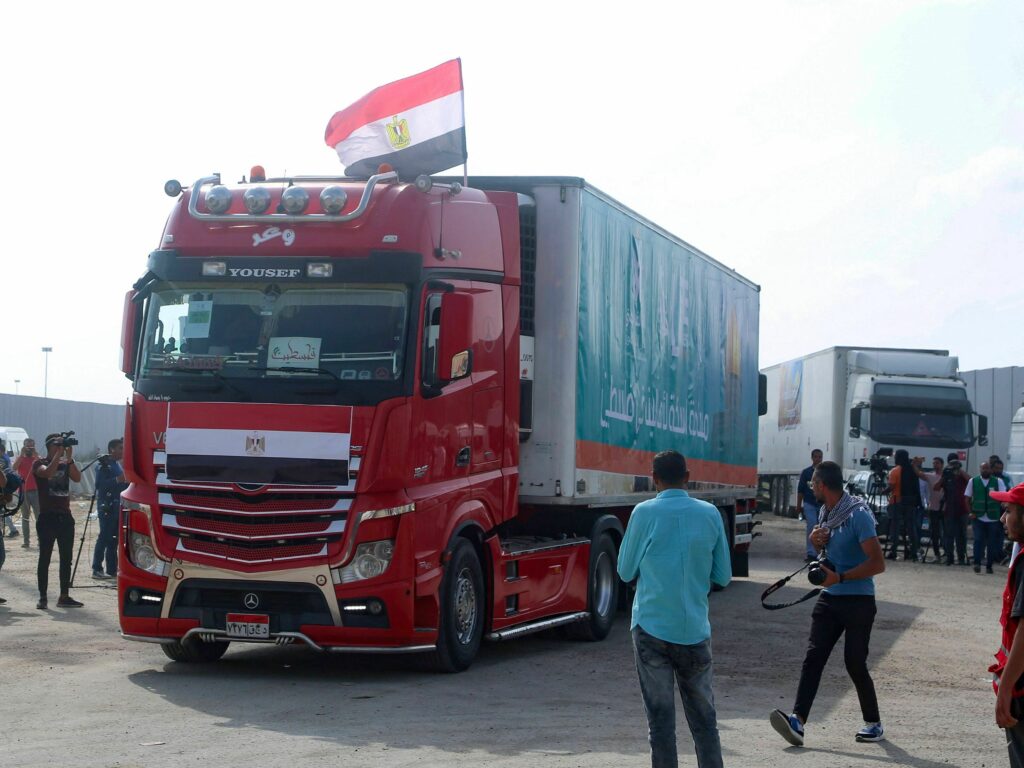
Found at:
[256, 199]
[218, 199]
[172, 188]
[333, 199]
[424, 183]
[294, 200]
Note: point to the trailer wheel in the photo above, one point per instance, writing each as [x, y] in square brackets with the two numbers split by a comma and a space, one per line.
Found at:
[463, 605]
[602, 593]
[195, 650]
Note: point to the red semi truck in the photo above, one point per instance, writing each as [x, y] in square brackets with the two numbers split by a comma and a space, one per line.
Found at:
[378, 416]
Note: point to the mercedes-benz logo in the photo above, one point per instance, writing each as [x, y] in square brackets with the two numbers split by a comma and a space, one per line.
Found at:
[251, 600]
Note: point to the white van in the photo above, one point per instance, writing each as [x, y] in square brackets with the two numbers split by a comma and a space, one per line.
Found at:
[14, 438]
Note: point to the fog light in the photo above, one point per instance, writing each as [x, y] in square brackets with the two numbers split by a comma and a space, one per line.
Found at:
[257, 200]
[218, 199]
[294, 200]
[333, 199]
[134, 596]
[376, 607]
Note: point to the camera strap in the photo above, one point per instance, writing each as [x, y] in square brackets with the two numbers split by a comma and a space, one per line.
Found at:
[779, 585]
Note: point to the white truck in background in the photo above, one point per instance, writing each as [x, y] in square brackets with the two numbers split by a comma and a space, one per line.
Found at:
[852, 401]
[1015, 456]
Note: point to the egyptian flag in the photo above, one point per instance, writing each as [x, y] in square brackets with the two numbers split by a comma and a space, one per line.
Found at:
[258, 444]
[416, 125]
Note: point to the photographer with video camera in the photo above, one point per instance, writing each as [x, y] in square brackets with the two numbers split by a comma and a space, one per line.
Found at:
[905, 492]
[109, 484]
[56, 524]
[850, 557]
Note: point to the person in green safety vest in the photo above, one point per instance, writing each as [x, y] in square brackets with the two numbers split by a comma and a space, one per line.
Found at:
[985, 514]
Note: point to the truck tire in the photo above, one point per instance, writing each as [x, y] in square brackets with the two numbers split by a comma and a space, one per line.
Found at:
[195, 651]
[602, 593]
[463, 607]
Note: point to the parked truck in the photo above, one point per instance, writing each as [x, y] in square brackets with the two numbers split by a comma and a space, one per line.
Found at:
[852, 401]
[390, 417]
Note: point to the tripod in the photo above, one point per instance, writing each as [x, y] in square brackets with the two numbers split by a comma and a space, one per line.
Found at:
[85, 530]
[877, 495]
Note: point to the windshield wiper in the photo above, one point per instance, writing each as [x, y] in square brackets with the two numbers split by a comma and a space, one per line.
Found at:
[328, 372]
[221, 380]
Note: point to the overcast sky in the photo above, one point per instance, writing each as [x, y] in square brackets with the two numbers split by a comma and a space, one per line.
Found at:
[861, 160]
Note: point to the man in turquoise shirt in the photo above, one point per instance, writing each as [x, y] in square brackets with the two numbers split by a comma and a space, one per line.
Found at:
[675, 547]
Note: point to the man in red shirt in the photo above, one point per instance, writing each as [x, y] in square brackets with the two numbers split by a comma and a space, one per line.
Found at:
[1009, 666]
[30, 492]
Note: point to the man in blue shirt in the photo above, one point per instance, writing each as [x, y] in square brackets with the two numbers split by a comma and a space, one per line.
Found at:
[110, 482]
[807, 501]
[675, 547]
[846, 531]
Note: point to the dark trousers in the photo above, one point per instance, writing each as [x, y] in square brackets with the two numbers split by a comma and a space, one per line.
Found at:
[106, 542]
[935, 532]
[954, 529]
[832, 616]
[1015, 744]
[988, 541]
[56, 528]
[902, 524]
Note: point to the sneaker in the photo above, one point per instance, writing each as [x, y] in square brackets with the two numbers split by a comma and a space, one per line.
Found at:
[41, 605]
[26, 545]
[100, 575]
[789, 727]
[988, 569]
[68, 602]
[977, 569]
[3, 600]
[871, 732]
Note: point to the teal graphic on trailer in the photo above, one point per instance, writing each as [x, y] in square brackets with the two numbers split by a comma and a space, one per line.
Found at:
[667, 339]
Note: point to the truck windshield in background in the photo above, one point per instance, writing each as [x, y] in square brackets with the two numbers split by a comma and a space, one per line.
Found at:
[912, 414]
[352, 332]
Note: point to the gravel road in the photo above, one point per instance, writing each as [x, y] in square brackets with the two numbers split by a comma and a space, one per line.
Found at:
[73, 693]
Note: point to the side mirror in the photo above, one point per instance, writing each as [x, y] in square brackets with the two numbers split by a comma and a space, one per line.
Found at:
[129, 333]
[982, 430]
[455, 354]
[855, 422]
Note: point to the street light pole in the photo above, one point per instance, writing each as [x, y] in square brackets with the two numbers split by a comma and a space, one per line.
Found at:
[46, 369]
[16, 383]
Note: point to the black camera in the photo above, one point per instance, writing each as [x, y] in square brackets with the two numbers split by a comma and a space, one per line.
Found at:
[879, 462]
[815, 574]
[104, 460]
[67, 439]
[951, 470]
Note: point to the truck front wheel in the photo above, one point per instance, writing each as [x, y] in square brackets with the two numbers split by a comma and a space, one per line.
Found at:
[194, 650]
[602, 593]
[462, 611]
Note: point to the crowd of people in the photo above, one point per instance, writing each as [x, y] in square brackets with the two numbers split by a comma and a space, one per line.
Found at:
[44, 485]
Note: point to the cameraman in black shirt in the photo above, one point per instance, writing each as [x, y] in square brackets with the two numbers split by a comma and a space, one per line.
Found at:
[54, 475]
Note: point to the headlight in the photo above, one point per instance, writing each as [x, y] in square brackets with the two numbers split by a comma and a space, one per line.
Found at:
[371, 560]
[143, 555]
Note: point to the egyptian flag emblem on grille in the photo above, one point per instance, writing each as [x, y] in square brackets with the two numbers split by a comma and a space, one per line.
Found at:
[260, 444]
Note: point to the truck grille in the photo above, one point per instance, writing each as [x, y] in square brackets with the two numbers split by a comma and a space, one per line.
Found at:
[264, 525]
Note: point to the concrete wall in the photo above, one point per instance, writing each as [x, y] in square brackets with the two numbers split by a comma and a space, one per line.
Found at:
[996, 393]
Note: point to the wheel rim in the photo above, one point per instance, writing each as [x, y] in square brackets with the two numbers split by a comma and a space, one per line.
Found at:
[603, 584]
[465, 607]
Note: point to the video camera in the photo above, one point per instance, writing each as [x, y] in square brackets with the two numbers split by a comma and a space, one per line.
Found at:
[951, 470]
[879, 462]
[65, 440]
[104, 460]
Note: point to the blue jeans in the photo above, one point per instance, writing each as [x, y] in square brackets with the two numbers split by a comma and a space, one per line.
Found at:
[810, 520]
[659, 664]
[987, 536]
[106, 542]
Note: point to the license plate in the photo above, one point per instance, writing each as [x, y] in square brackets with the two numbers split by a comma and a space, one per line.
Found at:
[253, 626]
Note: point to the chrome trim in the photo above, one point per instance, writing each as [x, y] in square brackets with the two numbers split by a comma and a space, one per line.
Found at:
[537, 626]
[147, 639]
[350, 541]
[159, 458]
[559, 544]
[272, 559]
[171, 521]
[744, 518]
[285, 638]
[341, 505]
[742, 538]
[163, 481]
[275, 218]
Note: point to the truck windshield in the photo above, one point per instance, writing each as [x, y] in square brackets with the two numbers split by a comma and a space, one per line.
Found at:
[350, 332]
[906, 427]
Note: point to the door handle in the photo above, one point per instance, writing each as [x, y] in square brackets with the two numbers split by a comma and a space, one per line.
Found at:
[462, 457]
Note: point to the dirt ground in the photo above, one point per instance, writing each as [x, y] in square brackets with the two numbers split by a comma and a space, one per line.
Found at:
[73, 693]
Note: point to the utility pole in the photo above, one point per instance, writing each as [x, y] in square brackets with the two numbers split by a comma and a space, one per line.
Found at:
[46, 370]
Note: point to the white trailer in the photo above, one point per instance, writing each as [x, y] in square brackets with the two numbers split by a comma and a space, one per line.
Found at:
[852, 401]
